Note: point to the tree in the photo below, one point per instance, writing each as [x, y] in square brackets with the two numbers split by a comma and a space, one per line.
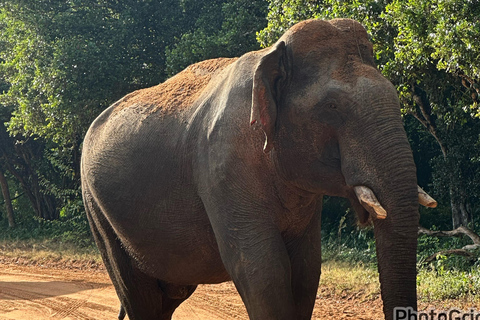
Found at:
[24, 160]
[68, 60]
[65, 62]
[435, 42]
[427, 48]
[224, 28]
[7, 199]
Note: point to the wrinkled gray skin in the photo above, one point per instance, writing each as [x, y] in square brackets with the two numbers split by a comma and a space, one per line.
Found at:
[228, 184]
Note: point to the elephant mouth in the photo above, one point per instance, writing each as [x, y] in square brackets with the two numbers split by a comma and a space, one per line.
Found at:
[367, 206]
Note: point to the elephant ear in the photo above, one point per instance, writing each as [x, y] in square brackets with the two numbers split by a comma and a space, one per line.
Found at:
[269, 78]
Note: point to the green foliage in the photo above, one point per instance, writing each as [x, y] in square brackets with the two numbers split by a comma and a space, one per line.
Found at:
[66, 61]
[447, 277]
[435, 39]
[72, 230]
[443, 33]
[222, 29]
[284, 14]
[439, 86]
[342, 239]
[460, 169]
[427, 246]
[63, 62]
[355, 246]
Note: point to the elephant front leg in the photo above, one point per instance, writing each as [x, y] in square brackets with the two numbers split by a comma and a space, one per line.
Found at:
[306, 262]
[261, 273]
[256, 258]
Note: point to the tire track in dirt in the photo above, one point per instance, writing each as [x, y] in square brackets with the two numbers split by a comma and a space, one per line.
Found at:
[70, 307]
[53, 307]
[36, 293]
[221, 301]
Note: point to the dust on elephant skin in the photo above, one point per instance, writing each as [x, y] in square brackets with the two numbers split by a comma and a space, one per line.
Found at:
[177, 92]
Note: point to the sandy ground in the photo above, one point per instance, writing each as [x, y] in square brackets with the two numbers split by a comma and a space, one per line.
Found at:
[33, 292]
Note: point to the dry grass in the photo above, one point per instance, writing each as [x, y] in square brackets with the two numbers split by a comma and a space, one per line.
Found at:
[343, 279]
[48, 252]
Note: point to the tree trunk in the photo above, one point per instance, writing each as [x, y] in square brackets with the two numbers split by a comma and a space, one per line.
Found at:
[8, 200]
[460, 215]
[43, 205]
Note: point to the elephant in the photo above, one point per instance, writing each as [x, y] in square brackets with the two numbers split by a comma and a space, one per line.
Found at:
[219, 173]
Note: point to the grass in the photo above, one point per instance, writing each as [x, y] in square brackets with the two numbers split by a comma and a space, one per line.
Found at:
[49, 252]
[435, 285]
[345, 279]
[60, 242]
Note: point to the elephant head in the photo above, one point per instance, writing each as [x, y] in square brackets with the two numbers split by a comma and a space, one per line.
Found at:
[333, 126]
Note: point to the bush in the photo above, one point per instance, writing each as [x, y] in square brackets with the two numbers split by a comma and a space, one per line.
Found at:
[441, 283]
[72, 229]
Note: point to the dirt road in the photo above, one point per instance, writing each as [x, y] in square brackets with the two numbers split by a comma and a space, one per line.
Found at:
[29, 292]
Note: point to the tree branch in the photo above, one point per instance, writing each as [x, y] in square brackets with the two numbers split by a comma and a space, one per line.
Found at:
[14, 198]
[460, 231]
[420, 99]
[471, 81]
[458, 252]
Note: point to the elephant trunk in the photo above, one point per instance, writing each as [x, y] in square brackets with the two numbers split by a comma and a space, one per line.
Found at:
[396, 235]
[380, 158]
[396, 255]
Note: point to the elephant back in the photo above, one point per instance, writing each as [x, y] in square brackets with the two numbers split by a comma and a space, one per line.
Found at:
[177, 93]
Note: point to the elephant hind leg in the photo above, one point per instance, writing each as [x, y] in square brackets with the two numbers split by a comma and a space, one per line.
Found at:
[141, 296]
[173, 296]
[170, 300]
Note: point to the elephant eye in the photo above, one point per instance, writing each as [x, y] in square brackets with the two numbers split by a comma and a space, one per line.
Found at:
[332, 106]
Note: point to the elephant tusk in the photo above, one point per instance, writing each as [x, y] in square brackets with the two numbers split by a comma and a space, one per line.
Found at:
[425, 200]
[369, 201]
